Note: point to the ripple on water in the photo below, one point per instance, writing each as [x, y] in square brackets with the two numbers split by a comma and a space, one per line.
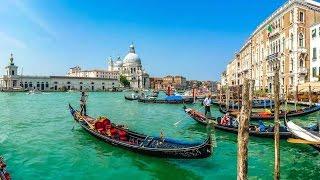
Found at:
[37, 140]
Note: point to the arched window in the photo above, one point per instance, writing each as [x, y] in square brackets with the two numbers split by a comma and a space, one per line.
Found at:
[301, 63]
[301, 40]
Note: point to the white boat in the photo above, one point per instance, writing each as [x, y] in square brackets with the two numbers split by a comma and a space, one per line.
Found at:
[302, 133]
[34, 91]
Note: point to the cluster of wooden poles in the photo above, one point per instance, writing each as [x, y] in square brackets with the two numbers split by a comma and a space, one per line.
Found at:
[243, 133]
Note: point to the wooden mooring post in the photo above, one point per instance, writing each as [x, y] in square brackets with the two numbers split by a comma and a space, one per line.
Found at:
[227, 98]
[243, 133]
[276, 124]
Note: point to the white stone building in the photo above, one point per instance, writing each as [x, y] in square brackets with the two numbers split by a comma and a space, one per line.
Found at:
[11, 81]
[131, 68]
[314, 53]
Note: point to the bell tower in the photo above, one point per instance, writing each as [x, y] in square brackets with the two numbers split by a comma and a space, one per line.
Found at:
[11, 77]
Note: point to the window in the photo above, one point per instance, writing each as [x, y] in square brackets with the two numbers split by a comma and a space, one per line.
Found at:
[12, 72]
[291, 64]
[314, 54]
[291, 16]
[301, 16]
[301, 39]
[301, 63]
[291, 80]
[314, 33]
[283, 44]
[314, 72]
[47, 84]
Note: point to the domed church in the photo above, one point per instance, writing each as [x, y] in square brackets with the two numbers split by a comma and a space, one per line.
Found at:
[131, 68]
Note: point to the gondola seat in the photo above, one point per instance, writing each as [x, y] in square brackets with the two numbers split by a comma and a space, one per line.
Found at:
[123, 135]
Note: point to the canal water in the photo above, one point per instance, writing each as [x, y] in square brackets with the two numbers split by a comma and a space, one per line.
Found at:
[37, 142]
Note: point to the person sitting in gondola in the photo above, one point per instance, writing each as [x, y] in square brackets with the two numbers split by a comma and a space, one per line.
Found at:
[225, 121]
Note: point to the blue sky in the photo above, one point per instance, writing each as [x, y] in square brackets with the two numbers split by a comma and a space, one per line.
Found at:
[195, 39]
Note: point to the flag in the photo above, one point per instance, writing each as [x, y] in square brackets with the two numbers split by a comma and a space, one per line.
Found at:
[270, 28]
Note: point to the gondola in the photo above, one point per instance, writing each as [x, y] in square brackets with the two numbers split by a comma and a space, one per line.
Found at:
[270, 116]
[4, 175]
[268, 133]
[257, 103]
[153, 146]
[165, 101]
[130, 98]
[310, 135]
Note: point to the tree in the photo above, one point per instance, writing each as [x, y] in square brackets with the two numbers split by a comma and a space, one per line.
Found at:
[124, 81]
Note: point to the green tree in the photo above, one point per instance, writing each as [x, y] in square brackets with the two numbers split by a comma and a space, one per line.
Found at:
[124, 81]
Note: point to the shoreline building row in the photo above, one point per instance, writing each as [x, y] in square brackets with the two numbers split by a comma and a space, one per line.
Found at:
[78, 79]
[287, 38]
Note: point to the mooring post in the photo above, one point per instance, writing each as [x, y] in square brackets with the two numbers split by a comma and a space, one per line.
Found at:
[243, 133]
[296, 98]
[276, 124]
[227, 97]
[310, 96]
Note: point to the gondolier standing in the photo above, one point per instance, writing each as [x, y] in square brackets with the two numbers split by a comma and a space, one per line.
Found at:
[207, 104]
[83, 104]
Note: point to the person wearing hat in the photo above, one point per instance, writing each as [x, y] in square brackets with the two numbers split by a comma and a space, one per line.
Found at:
[83, 104]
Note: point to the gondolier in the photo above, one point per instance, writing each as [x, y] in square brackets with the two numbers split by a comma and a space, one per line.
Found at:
[83, 104]
[207, 104]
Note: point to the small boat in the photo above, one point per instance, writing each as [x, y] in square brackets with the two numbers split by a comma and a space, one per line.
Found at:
[309, 135]
[34, 91]
[253, 129]
[119, 136]
[4, 175]
[168, 100]
[131, 98]
[270, 115]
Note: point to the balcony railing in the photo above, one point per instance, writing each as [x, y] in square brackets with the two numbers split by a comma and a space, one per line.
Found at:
[273, 56]
[302, 71]
[270, 73]
[302, 50]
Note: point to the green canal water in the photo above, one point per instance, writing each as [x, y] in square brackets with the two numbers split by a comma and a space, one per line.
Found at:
[37, 142]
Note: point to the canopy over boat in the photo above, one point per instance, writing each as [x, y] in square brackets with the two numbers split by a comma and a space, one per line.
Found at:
[230, 124]
[154, 146]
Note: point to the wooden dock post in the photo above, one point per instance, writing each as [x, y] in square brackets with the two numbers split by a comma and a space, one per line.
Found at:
[310, 96]
[296, 98]
[227, 97]
[243, 133]
[276, 123]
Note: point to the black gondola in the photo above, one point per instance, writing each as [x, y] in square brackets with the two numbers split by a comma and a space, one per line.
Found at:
[270, 116]
[201, 118]
[164, 101]
[4, 175]
[148, 145]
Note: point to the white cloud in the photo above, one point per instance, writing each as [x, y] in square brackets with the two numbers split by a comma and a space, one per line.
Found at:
[5, 38]
[36, 19]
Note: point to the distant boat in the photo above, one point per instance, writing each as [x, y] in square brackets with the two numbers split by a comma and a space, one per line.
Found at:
[34, 91]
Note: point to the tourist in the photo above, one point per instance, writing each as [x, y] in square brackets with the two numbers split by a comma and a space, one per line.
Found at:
[83, 104]
[207, 104]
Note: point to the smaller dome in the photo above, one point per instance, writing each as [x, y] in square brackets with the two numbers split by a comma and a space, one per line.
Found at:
[117, 63]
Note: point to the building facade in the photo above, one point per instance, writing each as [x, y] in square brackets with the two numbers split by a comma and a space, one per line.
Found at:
[315, 53]
[130, 67]
[11, 81]
[176, 82]
[283, 38]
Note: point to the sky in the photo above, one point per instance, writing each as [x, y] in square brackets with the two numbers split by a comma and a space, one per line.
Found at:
[195, 39]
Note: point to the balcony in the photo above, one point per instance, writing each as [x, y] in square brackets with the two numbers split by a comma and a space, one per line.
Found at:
[302, 50]
[273, 56]
[270, 74]
[302, 71]
[274, 33]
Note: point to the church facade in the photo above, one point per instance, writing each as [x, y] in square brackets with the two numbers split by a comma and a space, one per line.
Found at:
[131, 68]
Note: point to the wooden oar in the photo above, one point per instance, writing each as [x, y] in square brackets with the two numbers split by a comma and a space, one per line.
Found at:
[301, 141]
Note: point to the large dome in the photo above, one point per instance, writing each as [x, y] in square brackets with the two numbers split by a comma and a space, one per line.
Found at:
[132, 57]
